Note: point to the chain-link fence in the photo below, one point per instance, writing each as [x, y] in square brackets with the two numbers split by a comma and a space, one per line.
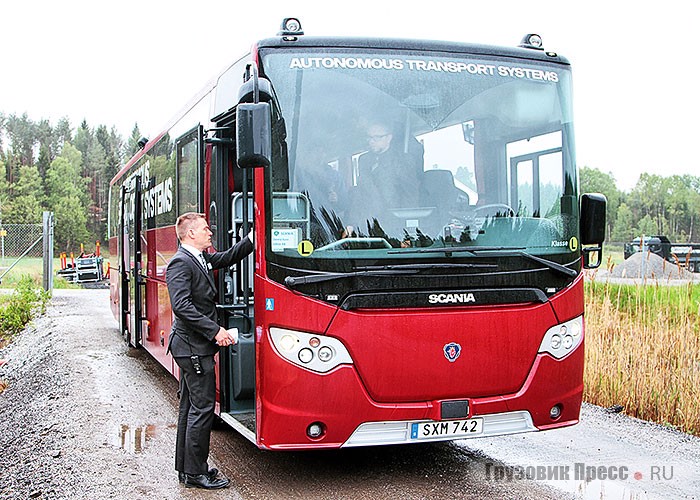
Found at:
[15, 239]
[21, 253]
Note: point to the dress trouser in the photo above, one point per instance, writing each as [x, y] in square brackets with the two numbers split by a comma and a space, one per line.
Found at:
[196, 415]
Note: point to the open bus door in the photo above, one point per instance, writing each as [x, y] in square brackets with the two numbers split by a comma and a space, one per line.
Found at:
[225, 208]
[233, 159]
[131, 296]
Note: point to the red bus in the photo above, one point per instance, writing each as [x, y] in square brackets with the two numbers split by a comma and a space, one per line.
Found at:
[440, 298]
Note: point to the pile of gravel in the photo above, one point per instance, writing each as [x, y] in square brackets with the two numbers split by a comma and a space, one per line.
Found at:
[649, 265]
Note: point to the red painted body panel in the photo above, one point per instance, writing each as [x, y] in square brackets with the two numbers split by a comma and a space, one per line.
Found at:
[290, 398]
[399, 354]
[569, 305]
[158, 246]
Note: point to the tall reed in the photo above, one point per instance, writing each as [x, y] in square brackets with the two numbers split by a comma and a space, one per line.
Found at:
[643, 351]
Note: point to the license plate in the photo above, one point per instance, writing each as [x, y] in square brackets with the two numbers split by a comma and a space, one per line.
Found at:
[447, 428]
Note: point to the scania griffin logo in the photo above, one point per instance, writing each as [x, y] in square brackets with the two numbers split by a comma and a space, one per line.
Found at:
[451, 298]
[452, 351]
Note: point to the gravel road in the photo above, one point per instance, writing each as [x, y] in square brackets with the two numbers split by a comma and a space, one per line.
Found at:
[85, 417]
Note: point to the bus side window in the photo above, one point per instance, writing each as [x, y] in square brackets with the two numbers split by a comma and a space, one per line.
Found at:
[187, 172]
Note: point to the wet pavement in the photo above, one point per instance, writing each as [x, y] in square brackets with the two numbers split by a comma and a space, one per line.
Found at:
[86, 417]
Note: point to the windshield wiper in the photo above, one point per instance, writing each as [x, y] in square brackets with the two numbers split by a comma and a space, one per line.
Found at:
[428, 266]
[550, 264]
[292, 281]
[385, 270]
[451, 250]
[474, 250]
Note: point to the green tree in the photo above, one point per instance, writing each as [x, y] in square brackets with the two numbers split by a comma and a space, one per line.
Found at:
[693, 207]
[649, 198]
[647, 226]
[26, 204]
[71, 221]
[624, 228]
[4, 194]
[66, 197]
[132, 145]
[2, 128]
[594, 181]
[22, 134]
[62, 134]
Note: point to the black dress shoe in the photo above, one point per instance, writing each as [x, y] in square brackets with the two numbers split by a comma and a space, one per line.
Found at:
[213, 472]
[203, 481]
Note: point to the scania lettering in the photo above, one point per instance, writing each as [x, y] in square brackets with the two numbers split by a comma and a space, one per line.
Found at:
[438, 298]
[451, 298]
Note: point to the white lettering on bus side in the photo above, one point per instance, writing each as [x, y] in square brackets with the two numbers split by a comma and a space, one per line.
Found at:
[441, 66]
[159, 199]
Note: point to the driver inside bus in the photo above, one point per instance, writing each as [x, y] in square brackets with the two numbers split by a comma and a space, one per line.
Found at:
[388, 177]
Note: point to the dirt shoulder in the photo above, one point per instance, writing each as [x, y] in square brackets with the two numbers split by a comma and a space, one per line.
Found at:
[67, 423]
[85, 417]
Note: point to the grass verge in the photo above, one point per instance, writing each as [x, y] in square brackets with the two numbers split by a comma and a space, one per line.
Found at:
[643, 351]
[18, 308]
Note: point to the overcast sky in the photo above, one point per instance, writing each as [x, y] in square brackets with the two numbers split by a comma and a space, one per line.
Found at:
[122, 62]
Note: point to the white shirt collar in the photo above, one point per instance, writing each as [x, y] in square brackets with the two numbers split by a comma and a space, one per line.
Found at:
[191, 249]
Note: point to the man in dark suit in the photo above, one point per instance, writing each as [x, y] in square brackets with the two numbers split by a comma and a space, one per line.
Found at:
[388, 178]
[194, 340]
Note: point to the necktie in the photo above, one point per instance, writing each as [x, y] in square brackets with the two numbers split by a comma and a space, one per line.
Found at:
[203, 262]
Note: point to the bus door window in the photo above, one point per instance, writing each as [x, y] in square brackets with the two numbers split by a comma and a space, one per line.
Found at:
[237, 211]
[535, 175]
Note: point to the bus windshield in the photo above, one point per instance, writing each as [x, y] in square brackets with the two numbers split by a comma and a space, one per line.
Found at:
[388, 154]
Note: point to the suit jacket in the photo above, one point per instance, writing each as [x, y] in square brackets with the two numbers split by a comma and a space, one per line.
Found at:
[385, 181]
[193, 298]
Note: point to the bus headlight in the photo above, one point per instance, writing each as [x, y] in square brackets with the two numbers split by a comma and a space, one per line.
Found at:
[288, 342]
[315, 352]
[562, 339]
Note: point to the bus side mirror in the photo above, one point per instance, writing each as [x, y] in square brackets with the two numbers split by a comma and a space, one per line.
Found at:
[253, 135]
[592, 228]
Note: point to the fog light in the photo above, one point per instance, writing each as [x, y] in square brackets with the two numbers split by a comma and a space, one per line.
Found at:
[568, 342]
[314, 342]
[306, 355]
[316, 430]
[556, 341]
[555, 412]
[325, 353]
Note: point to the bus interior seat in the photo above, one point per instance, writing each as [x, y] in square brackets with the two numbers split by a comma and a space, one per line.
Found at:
[439, 186]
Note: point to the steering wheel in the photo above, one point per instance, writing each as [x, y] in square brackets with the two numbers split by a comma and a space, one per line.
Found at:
[496, 208]
[339, 244]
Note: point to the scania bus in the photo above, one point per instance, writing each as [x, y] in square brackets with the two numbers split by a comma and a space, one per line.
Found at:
[454, 310]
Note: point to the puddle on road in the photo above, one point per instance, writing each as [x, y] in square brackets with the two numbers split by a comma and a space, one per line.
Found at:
[134, 439]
